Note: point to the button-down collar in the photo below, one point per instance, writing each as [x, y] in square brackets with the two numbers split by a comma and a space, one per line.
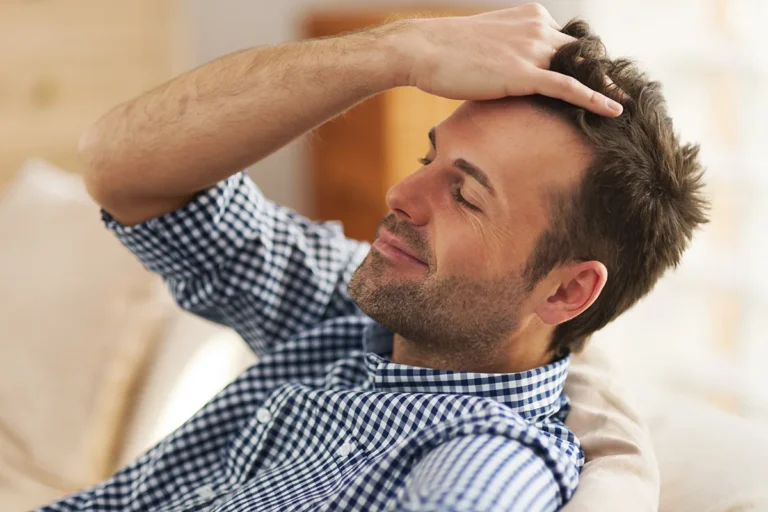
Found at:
[534, 394]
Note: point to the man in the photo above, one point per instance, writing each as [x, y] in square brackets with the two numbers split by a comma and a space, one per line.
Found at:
[424, 372]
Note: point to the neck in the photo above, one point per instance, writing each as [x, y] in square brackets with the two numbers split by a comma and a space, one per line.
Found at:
[528, 349]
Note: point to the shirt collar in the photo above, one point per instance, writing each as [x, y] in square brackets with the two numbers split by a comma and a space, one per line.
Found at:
[534, 394]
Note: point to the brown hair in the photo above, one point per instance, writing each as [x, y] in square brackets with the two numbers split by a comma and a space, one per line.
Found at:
[640, 199]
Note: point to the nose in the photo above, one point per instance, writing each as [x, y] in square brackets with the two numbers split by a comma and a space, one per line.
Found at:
[409, 199]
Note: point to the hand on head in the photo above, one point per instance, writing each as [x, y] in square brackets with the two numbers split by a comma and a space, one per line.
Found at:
[494, 55]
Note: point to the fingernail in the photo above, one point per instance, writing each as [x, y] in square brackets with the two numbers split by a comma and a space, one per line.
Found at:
[613, 105]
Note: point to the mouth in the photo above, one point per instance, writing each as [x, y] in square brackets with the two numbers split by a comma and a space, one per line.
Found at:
[395, 250]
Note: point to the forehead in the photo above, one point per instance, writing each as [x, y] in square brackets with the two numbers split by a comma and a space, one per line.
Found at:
[523, 149]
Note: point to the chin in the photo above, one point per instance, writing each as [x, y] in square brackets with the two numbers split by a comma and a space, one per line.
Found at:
[378, 288]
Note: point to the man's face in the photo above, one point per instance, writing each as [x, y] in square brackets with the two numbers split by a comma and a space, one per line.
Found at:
[461, 290]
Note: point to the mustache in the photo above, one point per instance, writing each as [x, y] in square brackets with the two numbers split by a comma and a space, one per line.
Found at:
[408, 234]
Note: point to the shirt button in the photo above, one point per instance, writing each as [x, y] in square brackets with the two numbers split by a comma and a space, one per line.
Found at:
[345, 449]
[206, 492]
[263, 415]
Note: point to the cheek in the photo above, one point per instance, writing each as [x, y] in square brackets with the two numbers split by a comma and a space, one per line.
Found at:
[469, 246]
[464, 252]
[505, 250]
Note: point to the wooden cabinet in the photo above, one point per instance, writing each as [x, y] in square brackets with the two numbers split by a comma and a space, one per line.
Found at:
[64, 63]
[355, 158]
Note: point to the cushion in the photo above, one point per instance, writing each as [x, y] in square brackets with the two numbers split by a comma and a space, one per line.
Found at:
[194, 360]
[710, 461]
[621, 472]
[701, 459]
[78, 316]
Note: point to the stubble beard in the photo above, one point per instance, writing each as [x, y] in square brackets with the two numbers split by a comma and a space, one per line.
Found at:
[457, 317]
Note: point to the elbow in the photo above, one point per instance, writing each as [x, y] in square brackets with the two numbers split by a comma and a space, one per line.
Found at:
[89, 148]
[98, 171]
[109, 175]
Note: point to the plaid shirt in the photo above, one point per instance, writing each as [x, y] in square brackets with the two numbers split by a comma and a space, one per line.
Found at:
[324, 420]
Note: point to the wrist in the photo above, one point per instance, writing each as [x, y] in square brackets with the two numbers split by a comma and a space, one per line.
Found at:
[382, 55]
[399, 41]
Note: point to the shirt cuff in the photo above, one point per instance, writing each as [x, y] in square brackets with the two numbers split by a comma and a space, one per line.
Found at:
[198, 237]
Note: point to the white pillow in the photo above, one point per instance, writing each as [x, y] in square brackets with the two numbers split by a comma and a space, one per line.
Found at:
[621, 472]
[78, 318]
[194, 361]
[710, 461]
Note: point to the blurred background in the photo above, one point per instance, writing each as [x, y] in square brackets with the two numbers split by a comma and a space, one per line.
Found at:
[701, 333]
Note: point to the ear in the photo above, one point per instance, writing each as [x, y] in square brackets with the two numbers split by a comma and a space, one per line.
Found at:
[577, 287]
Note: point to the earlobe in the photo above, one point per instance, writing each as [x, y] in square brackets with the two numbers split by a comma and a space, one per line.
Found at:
[578, 288]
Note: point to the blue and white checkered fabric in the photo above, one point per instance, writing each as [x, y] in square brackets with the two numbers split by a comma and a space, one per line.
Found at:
[324, 420]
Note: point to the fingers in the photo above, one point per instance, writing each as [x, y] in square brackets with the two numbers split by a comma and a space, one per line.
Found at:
[559, 39]
[540, 12]
[566, 88]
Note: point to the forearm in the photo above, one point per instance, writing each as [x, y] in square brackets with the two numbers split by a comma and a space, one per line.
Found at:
[151, 154]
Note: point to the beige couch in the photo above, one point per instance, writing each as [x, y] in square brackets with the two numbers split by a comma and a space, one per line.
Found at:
[97, 365]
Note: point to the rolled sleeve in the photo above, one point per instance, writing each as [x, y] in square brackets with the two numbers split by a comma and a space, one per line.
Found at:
[199, 237]
[234, 257]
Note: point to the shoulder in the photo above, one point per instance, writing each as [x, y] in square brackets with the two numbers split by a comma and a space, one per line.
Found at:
[483, 472]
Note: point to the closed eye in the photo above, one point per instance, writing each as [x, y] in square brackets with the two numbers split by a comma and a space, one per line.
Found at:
[456, 193]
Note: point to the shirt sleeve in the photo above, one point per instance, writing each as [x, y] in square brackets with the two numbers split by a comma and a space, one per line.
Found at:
[485, 473]
[236, 258]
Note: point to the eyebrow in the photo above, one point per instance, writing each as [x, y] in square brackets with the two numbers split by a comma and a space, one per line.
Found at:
[467, 168]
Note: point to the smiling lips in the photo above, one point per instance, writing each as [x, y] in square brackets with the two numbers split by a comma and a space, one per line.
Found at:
[394, 249]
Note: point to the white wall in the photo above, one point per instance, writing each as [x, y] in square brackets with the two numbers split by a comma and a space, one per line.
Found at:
[223, 26]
